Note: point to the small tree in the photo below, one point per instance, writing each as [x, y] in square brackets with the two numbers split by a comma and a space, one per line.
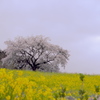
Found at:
[2, 54]
[35, 53]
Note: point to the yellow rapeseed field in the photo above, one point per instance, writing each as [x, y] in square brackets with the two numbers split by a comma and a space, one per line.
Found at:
[29, 85]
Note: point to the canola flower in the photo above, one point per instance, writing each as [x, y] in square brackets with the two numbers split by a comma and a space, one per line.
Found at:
[29, 85]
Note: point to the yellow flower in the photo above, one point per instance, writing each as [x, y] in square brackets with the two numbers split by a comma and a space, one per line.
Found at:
[17, 90]
[20, 73]
[2, 89]
[8, 97]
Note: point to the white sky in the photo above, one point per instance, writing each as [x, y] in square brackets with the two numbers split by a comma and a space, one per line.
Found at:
[71, 24]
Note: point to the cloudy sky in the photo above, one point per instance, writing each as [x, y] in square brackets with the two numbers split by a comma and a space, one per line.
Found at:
[71, 24]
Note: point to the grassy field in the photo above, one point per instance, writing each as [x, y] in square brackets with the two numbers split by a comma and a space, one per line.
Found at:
[29, 85]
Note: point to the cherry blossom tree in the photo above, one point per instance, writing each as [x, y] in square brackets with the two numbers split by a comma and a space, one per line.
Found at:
[36, 53]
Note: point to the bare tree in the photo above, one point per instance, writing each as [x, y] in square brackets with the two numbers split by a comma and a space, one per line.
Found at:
[35, 53]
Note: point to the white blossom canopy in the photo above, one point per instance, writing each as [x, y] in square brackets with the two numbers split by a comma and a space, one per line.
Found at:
[35, 52]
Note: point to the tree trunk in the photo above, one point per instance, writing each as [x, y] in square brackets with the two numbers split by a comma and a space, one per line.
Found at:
[33, 68]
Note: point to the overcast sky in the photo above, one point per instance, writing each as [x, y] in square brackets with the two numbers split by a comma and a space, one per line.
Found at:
[71, 24]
